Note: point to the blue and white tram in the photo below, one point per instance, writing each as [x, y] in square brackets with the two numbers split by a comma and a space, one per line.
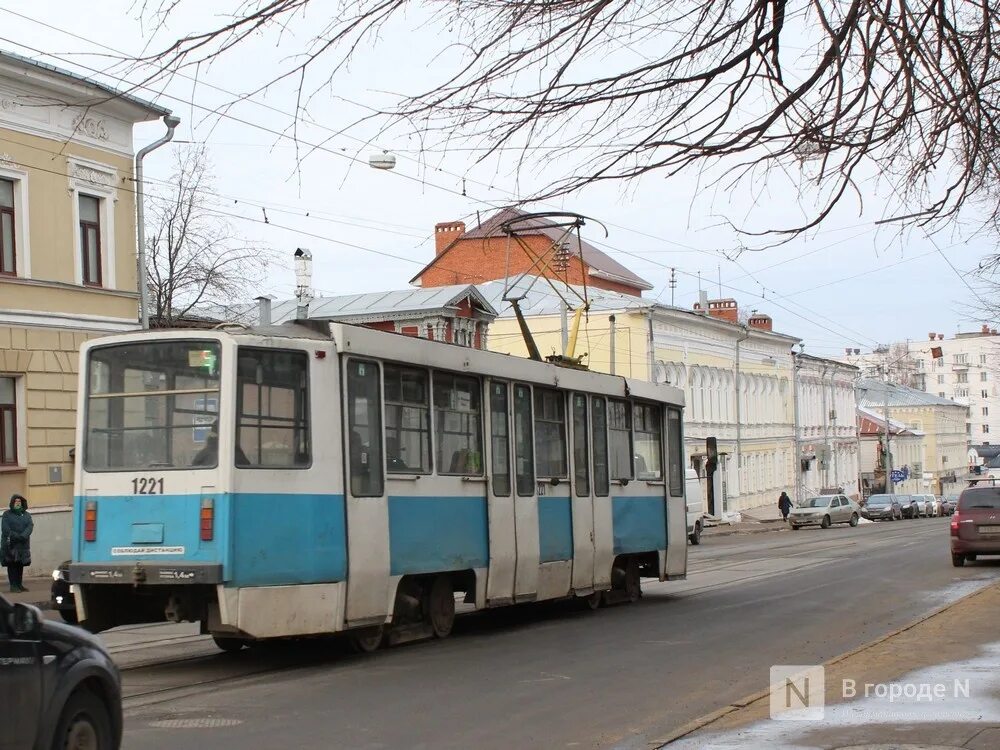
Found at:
[298, 480]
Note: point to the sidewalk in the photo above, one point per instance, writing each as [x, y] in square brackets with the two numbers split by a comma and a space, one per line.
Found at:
[923, 654]
[39, 590]
[751, 521]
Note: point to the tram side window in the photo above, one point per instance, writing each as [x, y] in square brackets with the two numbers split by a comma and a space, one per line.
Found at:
[675, 452]
[364, 429]
[458, 425]
[550, 433]
[620, 439]
[524, 456]
[272, 409]
[646, 421]
[407, 421]
[500, 435]
[599, 430]
[581, 455]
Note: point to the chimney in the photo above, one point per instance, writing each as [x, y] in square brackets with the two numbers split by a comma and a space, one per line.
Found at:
[303, 282]
[702, 304]
[985, 330]
[857, 351]
[724, 309]
[762, 322]
[931, 336]
[263, 310]
[940, 337]
[847, 351]
[445, 233]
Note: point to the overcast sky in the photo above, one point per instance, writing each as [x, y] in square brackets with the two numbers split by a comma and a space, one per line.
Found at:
[846, 285]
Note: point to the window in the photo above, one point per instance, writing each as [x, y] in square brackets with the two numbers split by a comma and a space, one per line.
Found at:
[963, 377]
[675, 452]
[8, 248]
[939, 362]
[986, 411]
[941, 394]
[986, 429]
[272, 408]
[961, 359]
[581, 452]
[90, 239]
[524, 455]
[364, 428]
[599, 436]
[458, 425]
[982, 359]
[500, 437]
[407, 421]
[961, 393]
[646, 420]
[8, 422]
[940, 379]
[152, 406]
[984, 393]
[983, 376]
[620, 440]
[550, 433]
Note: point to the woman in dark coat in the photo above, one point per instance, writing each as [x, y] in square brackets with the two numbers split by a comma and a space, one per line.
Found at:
[784, 505]
[15, 541]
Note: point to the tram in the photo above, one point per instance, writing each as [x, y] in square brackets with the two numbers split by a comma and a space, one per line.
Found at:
[313, 478]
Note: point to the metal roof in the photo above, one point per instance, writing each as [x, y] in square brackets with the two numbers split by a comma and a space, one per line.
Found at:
[21, 61]
[597, 260]
[872, 393]
[873, 423]
[541, 299]
[395, 303]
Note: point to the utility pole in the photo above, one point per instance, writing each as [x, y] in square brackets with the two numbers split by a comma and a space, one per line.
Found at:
[796, 453]
[826, 433]
[613, 333]
[564, 325]
[673, 285]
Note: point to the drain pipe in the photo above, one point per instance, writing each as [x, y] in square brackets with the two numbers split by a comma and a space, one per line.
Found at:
[140, 228]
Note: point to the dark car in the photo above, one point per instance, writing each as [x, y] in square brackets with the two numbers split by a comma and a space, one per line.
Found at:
[62, 599]
[910, 505]
[948, 503]
[975, 525]
[58, 685]
[882, 508]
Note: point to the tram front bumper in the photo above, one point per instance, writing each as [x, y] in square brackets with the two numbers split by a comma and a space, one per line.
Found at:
[143, 573]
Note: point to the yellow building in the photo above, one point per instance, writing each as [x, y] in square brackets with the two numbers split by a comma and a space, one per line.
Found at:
[737, 376]
[67, 262]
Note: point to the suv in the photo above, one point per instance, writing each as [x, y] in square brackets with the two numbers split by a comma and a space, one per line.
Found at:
[975, 525]
[58, 686]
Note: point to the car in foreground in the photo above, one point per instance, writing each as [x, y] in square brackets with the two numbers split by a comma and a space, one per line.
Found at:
[824, 511]
[65, 688]
[910, 505]
[927, 505]
[975, 525]
[882, 508]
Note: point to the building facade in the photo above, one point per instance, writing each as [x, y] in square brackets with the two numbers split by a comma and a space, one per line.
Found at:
[942, 466]
[827, 441]
[67, 262]
[906, 446]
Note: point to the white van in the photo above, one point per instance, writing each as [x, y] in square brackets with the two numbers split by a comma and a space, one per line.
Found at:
[694, 495]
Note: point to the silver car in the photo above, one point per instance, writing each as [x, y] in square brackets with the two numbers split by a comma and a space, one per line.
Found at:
[928, 505]
[824, 511]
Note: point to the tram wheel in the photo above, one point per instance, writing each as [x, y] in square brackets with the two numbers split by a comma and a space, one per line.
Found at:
[633, 584]
[594, 600]
[367, 640]
[441, 606]
[228, 644]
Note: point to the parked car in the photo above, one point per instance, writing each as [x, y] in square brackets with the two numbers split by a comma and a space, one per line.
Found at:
[61, 598]
[910, 505]
[975, 525]
[694, 493]
[948, 503]
[824, 511]
[927, 505]
[65, 688]
[882, 508]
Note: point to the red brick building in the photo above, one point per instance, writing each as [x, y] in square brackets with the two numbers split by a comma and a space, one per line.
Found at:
[481, 254]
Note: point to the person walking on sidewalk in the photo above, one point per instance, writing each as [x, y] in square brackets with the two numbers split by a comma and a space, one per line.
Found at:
[15, 541]
[784, 505]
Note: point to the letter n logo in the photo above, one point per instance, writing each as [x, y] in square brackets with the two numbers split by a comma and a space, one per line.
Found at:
[797, 692]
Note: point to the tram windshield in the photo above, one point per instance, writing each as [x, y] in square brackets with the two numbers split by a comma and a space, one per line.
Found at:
[152, 406]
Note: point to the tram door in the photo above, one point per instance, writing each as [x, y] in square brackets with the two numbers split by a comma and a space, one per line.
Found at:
[367, 504]
[525, 495]
[582, 490]
[501, 496]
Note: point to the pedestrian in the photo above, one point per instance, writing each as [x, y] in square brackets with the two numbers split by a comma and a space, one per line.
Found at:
[784, 505]
[15, 541]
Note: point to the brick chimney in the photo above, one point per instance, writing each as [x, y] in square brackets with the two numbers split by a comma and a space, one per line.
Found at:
[985, 330]
[445, 233]
[762, 322]
[724, 309]
[931, 336]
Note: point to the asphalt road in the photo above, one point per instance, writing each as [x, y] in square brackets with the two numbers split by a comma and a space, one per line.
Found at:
[557, 676]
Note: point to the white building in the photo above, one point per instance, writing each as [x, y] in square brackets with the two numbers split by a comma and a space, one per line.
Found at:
[827, 430]
[906, 446]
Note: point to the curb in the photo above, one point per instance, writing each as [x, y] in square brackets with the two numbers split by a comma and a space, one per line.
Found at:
[709, 532]
[703, 721]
